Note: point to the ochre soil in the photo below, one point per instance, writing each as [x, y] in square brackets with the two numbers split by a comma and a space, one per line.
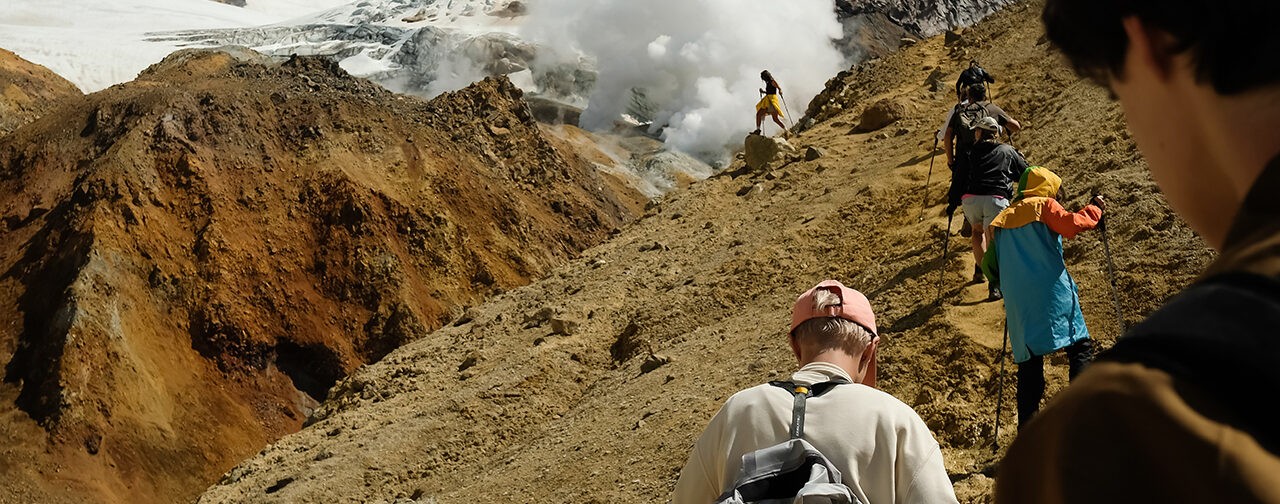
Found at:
[28, 91]
[590, 385]
[192, 259]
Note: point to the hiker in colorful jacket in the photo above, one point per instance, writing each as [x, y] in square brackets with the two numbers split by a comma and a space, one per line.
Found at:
[769, 104]
[1041, 303]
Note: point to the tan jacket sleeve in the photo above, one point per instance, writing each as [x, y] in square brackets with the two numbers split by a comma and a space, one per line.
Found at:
[921, 476]
[1128, 433]
[701, 479]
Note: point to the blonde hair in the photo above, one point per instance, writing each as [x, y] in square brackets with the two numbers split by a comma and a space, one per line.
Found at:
[829, 333]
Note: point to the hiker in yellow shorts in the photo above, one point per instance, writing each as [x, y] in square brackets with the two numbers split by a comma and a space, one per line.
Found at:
[769, 104]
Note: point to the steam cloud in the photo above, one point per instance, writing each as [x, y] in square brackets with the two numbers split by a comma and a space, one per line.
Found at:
[697, 62]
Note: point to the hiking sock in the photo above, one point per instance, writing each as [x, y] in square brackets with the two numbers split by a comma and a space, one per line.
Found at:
[1030, 388]
[978, 277]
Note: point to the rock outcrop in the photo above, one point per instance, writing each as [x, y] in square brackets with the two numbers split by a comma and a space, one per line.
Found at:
[760, 151]
[922, 18]
[880, 114]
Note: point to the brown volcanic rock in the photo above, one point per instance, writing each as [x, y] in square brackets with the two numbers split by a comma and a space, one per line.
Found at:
[879, 115]
[27, 91]
[192, 259]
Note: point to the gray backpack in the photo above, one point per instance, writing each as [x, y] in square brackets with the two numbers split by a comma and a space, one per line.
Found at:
[969, 116]
[791, 472]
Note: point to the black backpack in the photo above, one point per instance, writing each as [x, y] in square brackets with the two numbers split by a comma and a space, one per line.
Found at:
[975, 74]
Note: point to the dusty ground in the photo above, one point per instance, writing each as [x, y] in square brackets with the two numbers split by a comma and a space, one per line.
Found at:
[28, 91]
[191, 260]
[591, 385]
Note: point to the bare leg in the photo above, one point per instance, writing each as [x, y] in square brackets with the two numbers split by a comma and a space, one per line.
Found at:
[759, 118]
[778, 120]
[979, 245]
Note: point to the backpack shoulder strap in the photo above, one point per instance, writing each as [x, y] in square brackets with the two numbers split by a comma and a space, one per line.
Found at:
[801, 393]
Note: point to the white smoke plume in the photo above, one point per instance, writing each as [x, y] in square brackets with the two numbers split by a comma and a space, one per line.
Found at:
[697, 62]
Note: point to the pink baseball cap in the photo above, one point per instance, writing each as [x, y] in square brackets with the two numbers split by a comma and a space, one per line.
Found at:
[853, 307]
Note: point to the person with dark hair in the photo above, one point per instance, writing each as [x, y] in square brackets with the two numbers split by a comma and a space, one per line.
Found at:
[959, 138]
[972, 76]
[768, 104]
[1180, 409]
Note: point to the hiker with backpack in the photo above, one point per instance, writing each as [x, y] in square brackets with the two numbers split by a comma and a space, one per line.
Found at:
[828, 432]
[960, 136]
[975, 74]
[1041, 300]
[1181, 408]
[987, 190]
[972, 76]
[769, 104]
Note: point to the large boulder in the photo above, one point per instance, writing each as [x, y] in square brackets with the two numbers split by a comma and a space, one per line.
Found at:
[879, 115]
[761, 150]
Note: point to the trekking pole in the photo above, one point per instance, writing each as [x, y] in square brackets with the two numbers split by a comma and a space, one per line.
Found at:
[995, 443]
[788, 109]
[1111, 274]
[928, 179]
[946, 241]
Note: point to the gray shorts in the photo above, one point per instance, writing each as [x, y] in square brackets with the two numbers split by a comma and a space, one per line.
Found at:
[982, 209]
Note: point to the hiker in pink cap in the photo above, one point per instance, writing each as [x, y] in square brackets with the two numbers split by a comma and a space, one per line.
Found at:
[875, 444]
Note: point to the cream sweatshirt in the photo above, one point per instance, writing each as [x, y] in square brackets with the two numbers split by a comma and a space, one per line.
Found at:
[884, 452]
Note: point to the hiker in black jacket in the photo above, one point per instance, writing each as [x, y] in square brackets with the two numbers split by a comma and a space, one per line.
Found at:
[970, 77]
[988, 187]
[960, 136]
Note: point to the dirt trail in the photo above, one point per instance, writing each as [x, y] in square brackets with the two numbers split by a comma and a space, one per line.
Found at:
[591, 384]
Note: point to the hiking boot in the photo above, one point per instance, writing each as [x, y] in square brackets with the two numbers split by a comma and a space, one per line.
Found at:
[994, 294]
[966, 231]
[978, 277]
[756, 132]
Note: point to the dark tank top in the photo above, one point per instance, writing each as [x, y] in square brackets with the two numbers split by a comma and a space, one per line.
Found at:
[770, 88]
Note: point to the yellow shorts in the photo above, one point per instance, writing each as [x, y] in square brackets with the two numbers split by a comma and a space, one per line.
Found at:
[769, 104]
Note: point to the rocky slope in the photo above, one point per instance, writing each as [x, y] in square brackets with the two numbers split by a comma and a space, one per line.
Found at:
[876, 28]
[923, 18]
[191, 260]
[591, 385]
[28, 91]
